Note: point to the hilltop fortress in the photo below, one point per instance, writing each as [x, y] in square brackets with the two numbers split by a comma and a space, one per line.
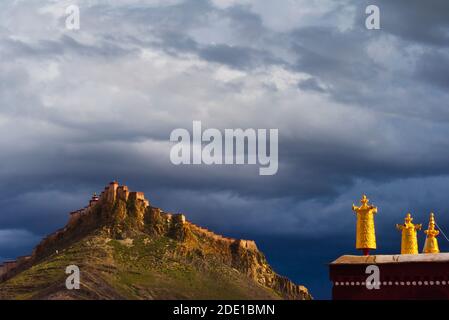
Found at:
[120, 214]
[114, 192]
[108, 196]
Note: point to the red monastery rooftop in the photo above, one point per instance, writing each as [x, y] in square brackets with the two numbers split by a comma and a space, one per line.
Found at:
[408, 275]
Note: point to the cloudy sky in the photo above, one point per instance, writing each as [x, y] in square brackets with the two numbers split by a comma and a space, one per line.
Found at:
[358, 111]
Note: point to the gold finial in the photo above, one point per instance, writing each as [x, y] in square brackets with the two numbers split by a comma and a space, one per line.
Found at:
[431, 244]
[408, 218]
[432, 220]
[364, 201]
[409, 241]
[365, 231]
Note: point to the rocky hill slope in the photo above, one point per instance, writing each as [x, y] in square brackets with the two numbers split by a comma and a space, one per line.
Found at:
[127, 249]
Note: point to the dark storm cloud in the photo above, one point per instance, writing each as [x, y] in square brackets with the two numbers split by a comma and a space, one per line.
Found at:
[434, 68]
[15, 241]
[234, 56]
[414, 20]
[345, 63]
[337, 61]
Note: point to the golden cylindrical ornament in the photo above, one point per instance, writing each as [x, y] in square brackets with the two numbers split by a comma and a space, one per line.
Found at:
[365, 231]
[409, 241]
[431, 244]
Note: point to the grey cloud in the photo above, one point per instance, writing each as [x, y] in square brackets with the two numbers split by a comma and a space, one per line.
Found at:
[66, 45]
[12, 237]
[434, 68]
[247, 25]
[414, 20]
[175, 42]
[342, 63]
[311, 84]
[237, 57]
[356, 115]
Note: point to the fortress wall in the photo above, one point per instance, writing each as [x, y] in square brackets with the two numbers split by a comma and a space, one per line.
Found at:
[122, 193]
[137, 196]
[110, 194]
[112, 191]
[23, 259]
[180, 218]
[9, 265]
[159, 212]
[247, 244]
[75, 215]
[52, 237]
[104, 195]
